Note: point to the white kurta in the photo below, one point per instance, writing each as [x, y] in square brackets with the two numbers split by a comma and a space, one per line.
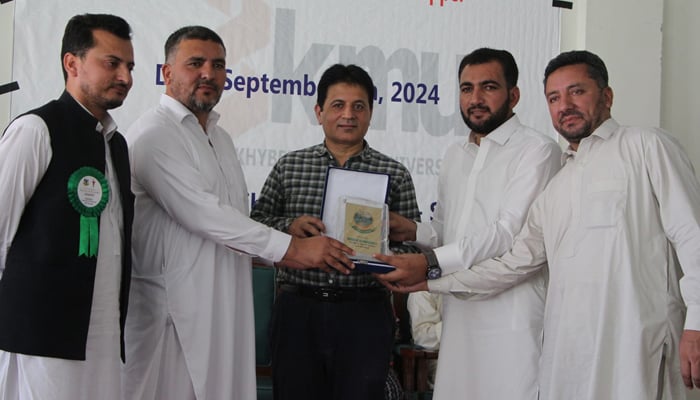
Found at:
[608, 224]
[25, 153]
[484, 193]
[425, 309]
[191, 209]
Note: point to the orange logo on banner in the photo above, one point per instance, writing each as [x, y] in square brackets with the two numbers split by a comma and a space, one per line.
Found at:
[442, 2]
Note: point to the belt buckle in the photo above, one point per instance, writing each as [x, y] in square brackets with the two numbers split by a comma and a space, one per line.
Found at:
[328, 294]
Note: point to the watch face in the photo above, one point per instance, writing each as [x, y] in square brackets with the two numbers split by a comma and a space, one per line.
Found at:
[434, 273]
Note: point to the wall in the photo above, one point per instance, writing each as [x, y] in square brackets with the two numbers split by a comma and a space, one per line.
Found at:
[681, 54]
[632, 52]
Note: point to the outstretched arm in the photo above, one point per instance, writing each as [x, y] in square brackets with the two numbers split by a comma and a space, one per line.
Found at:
[482, 280]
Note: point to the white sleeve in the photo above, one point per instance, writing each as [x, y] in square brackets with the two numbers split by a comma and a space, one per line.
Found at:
[678, 194]
[25, 153]
[426, 236]
[536, 168]
[493, 276]
[425, 310]
[163, 168]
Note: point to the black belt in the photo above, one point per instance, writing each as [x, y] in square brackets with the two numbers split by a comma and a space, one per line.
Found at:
[332, 294]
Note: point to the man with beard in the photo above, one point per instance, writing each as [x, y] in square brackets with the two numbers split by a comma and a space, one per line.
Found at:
[485, 188]
[65, 228]
[618, 230]
[190, 333]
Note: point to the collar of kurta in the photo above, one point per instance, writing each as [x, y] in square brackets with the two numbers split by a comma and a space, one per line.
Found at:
[181, 112]
[604, 131]
[502, 134]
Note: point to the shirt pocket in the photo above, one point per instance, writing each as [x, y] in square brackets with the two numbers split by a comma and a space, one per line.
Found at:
[604, 203]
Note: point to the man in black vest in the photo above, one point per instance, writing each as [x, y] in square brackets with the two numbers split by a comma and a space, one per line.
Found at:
[65, 229]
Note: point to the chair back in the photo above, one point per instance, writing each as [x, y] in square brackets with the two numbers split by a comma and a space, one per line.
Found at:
[263, 301]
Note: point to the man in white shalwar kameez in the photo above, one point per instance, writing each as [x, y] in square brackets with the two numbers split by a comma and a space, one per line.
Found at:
[619, 227]
[191, 331]
[61, 304]
[485, 188]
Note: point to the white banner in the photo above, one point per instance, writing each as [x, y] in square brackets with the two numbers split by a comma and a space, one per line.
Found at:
[277, 50]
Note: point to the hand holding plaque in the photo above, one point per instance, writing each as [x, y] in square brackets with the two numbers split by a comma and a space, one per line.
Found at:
[354, 212]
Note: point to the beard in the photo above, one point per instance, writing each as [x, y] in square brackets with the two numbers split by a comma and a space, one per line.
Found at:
[204, 105]
[195, 104]
[575, 135]
[112, 104]
[101, 100]
[486, 126]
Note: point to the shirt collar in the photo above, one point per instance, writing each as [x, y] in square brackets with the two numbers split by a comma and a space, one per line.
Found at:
[502, 134]
[604, 132]
[365, 154]
[181, 112]
[106, 127]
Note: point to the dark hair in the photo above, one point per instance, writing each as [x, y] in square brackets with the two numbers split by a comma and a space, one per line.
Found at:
[188, 33]
[78, 37]
[594, 65]
[485, 55]
[351, 74]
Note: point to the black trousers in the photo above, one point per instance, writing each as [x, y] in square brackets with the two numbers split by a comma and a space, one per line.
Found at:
[330, 350]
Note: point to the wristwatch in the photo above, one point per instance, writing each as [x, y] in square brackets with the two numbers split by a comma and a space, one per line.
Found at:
[434, 270]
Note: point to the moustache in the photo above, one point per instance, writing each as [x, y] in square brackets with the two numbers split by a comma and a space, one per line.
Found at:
[481, 108]
[119, 85]
[568, 113]
[210, 83]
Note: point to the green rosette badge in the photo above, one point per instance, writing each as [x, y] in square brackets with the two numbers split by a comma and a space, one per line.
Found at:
[88, 193]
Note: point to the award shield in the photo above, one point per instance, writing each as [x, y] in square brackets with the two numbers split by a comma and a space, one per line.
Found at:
[355, 212]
